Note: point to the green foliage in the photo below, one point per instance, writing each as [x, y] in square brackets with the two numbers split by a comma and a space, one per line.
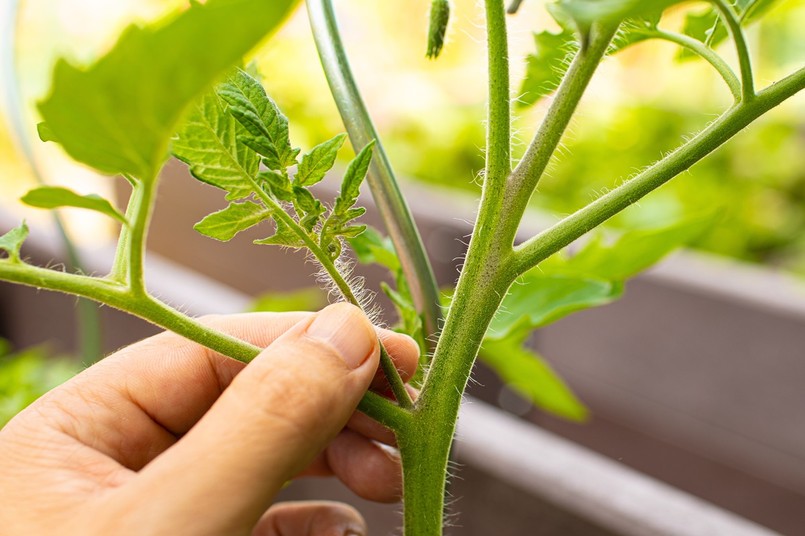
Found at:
[226, 136]
[528, 373]
[546, 66]
[586, 12]
[706, 25]
[12, 241]
[439, 17]
[55, 197]
[118, 114]
[27, 375]
[306, 299]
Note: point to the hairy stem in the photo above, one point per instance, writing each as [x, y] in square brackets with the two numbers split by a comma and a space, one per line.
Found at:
[706, 53]
[525, 177]
[734, 25]
[390, 202]
[548, 242]
[498, 132]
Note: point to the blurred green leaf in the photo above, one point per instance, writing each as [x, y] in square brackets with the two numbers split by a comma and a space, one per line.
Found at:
[225, 224]
[529, 374]
[371, 247]
[315, 164]
[207, 143]
[586, 12]
[536, 300]
[547, 65]
[307, 299]
[118, 114]
[56, 197]
[11, 242]
[437, 28]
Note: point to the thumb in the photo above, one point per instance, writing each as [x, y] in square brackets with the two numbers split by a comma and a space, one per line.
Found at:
[268, 425]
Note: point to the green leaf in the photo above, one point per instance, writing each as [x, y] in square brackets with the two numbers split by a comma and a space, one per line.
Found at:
[308, 208]
[55, 197]
[11, 242]
[530, 375]
[437, 28]
[118, 114]
[586, 12]
[207, 143]
[631, 253]
[225, 224]
[283, 236]
[306, 299]
[536, 300]
[266, 125]
[546, 66]
[277, 184]
[371, 247]
[315, 164]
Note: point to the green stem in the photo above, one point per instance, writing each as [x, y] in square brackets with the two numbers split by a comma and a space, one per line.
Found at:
[548, 242]
[525, 177]
[498, 132]
[119, 296]
[142, 206]
[744, 59]
[386, 363]
[390, 202]
[120, 271]
[706, 53]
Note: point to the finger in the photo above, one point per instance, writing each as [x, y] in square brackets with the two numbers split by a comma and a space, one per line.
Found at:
[134, 404]
[272, 421]
[404, 351]
[370, 470]
[311, 519]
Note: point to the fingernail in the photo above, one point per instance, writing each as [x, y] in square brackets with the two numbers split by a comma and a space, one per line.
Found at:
[346, 329]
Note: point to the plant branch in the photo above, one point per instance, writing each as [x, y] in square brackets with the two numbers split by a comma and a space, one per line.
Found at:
[548, 242]
[498, 131]
[389, 200]
[733, 23]
[384, 411]
[525, 177]
[706, 53]
[142, 207]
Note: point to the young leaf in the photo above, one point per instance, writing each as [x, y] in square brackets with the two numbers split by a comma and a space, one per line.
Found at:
[207, 143]
[267, 127]
[55, 197]
[118, 114]
[537, 300]
[283, 236]
[277, 184]
[315, 164]
[546, 66]
[586, 12]
[530, 375]
[308, 208]
[225, 224]
[11, 242]
[370, 247]
[437, 29]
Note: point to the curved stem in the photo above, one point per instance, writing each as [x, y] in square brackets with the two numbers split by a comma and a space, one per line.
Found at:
[738, 37]
[706, 53]
[548, 242]
[142, 207]
[498, 131]
[389, 200]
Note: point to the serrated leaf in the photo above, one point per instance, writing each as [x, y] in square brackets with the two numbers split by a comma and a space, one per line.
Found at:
[266, 125]
[437, 28]
[308, 208]
[118, 114]
[12, 241]
[315, 164]
[207, 143]
[56, 197]
[283, 236]
[278, 185]
[225, 224]
[546, 66]
[351, 185]
[536, 300]
[529, 374]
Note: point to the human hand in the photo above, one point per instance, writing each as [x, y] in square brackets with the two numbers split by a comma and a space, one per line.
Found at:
[167, 437]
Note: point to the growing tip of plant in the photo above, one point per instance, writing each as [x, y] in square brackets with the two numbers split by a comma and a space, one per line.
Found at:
[439, 17]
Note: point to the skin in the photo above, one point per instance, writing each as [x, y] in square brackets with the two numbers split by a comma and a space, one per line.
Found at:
[167, 437]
